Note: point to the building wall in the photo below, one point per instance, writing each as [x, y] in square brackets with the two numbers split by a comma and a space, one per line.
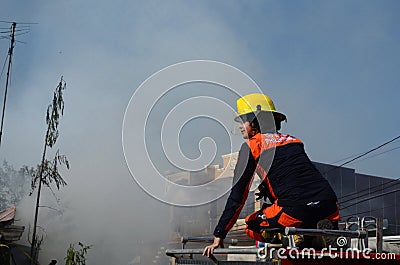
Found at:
[365, 195]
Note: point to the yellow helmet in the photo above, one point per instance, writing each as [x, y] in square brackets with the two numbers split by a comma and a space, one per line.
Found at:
[256, 103]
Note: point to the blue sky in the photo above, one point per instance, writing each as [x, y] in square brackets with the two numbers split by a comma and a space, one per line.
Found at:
[331, 66]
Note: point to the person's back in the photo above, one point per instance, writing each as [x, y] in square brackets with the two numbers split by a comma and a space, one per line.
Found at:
[292, 176]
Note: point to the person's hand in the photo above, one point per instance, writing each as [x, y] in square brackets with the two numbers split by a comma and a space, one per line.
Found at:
[259, 196]
[210, 249]
[261, 193]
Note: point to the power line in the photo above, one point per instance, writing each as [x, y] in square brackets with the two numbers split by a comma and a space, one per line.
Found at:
[8, 38]
[387, 151]
[23, 33]
[372, 210]
[16, 30]
[368, 189]
[363, 154]
[370, 198]
[373, 190]
[340, 160]
[19, 23]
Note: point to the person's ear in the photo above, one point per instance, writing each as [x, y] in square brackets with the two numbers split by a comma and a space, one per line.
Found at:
[254, 129]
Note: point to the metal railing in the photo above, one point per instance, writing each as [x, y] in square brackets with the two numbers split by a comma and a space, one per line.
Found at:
[361, 233]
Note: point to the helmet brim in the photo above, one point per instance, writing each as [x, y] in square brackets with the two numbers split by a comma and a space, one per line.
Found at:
[277, 115]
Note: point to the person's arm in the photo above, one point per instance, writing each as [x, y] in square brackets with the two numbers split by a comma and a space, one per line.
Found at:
[242, 178]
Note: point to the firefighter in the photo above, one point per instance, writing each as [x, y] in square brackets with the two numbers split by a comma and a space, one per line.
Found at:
[300, 196]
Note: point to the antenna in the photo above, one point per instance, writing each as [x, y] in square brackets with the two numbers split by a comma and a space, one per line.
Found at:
[10, 51]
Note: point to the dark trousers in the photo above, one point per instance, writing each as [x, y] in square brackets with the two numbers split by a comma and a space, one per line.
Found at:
[304, 216]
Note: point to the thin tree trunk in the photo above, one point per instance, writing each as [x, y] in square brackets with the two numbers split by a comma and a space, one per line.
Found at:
[33, 252]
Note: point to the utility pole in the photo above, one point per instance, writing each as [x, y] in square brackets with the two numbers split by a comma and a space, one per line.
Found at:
[10, 52]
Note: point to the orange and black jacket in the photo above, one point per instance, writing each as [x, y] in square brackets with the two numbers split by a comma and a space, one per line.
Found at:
[288, 176]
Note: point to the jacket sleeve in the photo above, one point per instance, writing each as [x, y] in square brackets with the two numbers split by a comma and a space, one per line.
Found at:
[242, 178]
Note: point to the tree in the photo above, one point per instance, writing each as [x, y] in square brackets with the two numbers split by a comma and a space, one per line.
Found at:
[13, 185]
[47, 172]
[76, 257]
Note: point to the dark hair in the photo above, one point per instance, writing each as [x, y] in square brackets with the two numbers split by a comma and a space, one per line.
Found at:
[264, 118]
